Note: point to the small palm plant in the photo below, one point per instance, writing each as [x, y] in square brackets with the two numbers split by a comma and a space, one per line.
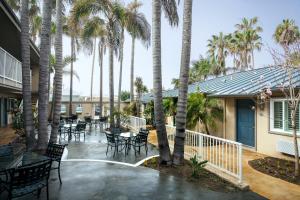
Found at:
[197, 166]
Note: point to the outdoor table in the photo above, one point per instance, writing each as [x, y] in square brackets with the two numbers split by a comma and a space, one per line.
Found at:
[127, 138]
[25, 158]
[70, 127]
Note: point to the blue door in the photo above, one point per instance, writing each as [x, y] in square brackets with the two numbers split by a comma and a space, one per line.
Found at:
[245, 122]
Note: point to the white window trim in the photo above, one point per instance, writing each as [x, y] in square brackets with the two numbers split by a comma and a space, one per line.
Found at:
[271, 117]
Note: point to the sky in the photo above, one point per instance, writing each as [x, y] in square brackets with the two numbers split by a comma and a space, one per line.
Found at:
[209, 18]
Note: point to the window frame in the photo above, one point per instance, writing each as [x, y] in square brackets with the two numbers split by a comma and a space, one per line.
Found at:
[271, 117]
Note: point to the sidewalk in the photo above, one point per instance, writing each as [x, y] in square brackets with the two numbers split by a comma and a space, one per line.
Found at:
[265, 185]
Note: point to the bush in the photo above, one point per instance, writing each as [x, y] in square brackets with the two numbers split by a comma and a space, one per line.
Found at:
[197, 166]
[18, 122]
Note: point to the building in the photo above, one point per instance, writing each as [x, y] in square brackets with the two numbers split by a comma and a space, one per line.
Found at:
[10, 64]
[260, 126]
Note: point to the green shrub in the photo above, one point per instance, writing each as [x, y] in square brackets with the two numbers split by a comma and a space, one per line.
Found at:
[18, 122]
[197, 166]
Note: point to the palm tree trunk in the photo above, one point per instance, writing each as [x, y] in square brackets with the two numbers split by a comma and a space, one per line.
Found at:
[164, 150]
[26, 78]
[71, 75]
[178, 154]
[100, 48]
[111, 85]
[92, 74]
[252, 52]
[120, 77]
[58, 72]
[132, 70]
[52, 103]
[43, 76]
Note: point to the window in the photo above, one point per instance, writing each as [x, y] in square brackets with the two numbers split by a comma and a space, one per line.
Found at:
[280, 116]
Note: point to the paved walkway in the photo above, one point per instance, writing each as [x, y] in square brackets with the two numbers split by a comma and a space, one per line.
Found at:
[7, 135]
[96, 180]
[265, 185]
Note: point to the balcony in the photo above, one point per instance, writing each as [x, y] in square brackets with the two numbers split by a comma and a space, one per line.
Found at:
[10, 70]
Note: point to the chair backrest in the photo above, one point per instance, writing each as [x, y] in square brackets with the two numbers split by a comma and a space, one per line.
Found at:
[88, 119]
[144, 130]
[6, 151]
[110, 137]
[29, 174]
[55, 151]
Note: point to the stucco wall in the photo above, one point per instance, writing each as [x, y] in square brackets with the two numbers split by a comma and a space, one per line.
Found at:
[266, 141]
[229, 119]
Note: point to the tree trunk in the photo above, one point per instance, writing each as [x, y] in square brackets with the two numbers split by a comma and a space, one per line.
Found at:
[58, 72]
[71, 75]
[52, 103]
[252, 54]
[293, 118]
[164, 150]
[178, 154]
[26, 78]
[100, 48]
[92, 74]
[43, 76]
[132, 70]
[120, 77]
[111, 85]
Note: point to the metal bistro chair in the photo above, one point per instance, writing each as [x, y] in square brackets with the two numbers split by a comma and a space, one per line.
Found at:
[139, 141]
[55, 152]
[113, 141]
[28, 179]
[80, 128]
[6, 153]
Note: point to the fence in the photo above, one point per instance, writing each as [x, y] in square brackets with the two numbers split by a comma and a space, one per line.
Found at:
[222, 154]
[136, 123]
[10, 70]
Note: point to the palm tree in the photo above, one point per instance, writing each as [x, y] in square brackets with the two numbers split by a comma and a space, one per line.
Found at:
[286, 33]
[252, 41]
[26, 79]
[178, 154]
[170, 9]
[140, 89]
[112, 14]
[200, 70]
[58, 72]
[102, 48]
[93, 28]
[138, 27]
[43, 76]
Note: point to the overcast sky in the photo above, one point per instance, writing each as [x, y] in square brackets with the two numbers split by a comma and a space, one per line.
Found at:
[209, 17]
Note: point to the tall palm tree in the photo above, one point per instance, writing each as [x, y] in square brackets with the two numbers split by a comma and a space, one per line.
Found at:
[252, 41]
[111, 10]
[43, 76]
[102, 48]
[170, 9]
[286, 33]
[217, 52]
[138, 27]
[93, 28]
[58, 71]
[178, 154]
[26, 79]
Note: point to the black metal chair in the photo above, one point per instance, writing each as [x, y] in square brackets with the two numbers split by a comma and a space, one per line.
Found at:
[55, 152]
[139, 141]
[6, 153]
[114, 141]
[80, 128]
[28, 179]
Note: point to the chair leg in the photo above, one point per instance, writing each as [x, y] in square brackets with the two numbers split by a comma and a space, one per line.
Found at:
[47, 191]
[59, 173]
[106, 150]
[146, 148]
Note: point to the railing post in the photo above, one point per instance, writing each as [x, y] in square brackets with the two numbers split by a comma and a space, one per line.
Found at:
[240, 163]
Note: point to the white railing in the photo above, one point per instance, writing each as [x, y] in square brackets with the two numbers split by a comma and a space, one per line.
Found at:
[10, 70]
[136, 123]
[222, 154]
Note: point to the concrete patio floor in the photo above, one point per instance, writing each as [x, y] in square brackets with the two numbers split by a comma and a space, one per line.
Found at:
[97, 180]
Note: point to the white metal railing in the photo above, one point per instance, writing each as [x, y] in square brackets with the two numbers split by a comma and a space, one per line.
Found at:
[10, 69]
[222, 154]
[136, 123]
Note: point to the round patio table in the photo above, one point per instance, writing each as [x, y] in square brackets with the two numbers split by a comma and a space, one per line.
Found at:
[70, 127]
[127, 136]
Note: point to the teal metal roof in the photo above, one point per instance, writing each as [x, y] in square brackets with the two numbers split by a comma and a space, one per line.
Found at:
[245, 83]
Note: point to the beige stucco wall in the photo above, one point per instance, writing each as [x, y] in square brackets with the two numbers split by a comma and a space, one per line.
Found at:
[229, 119]
[265, 141]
